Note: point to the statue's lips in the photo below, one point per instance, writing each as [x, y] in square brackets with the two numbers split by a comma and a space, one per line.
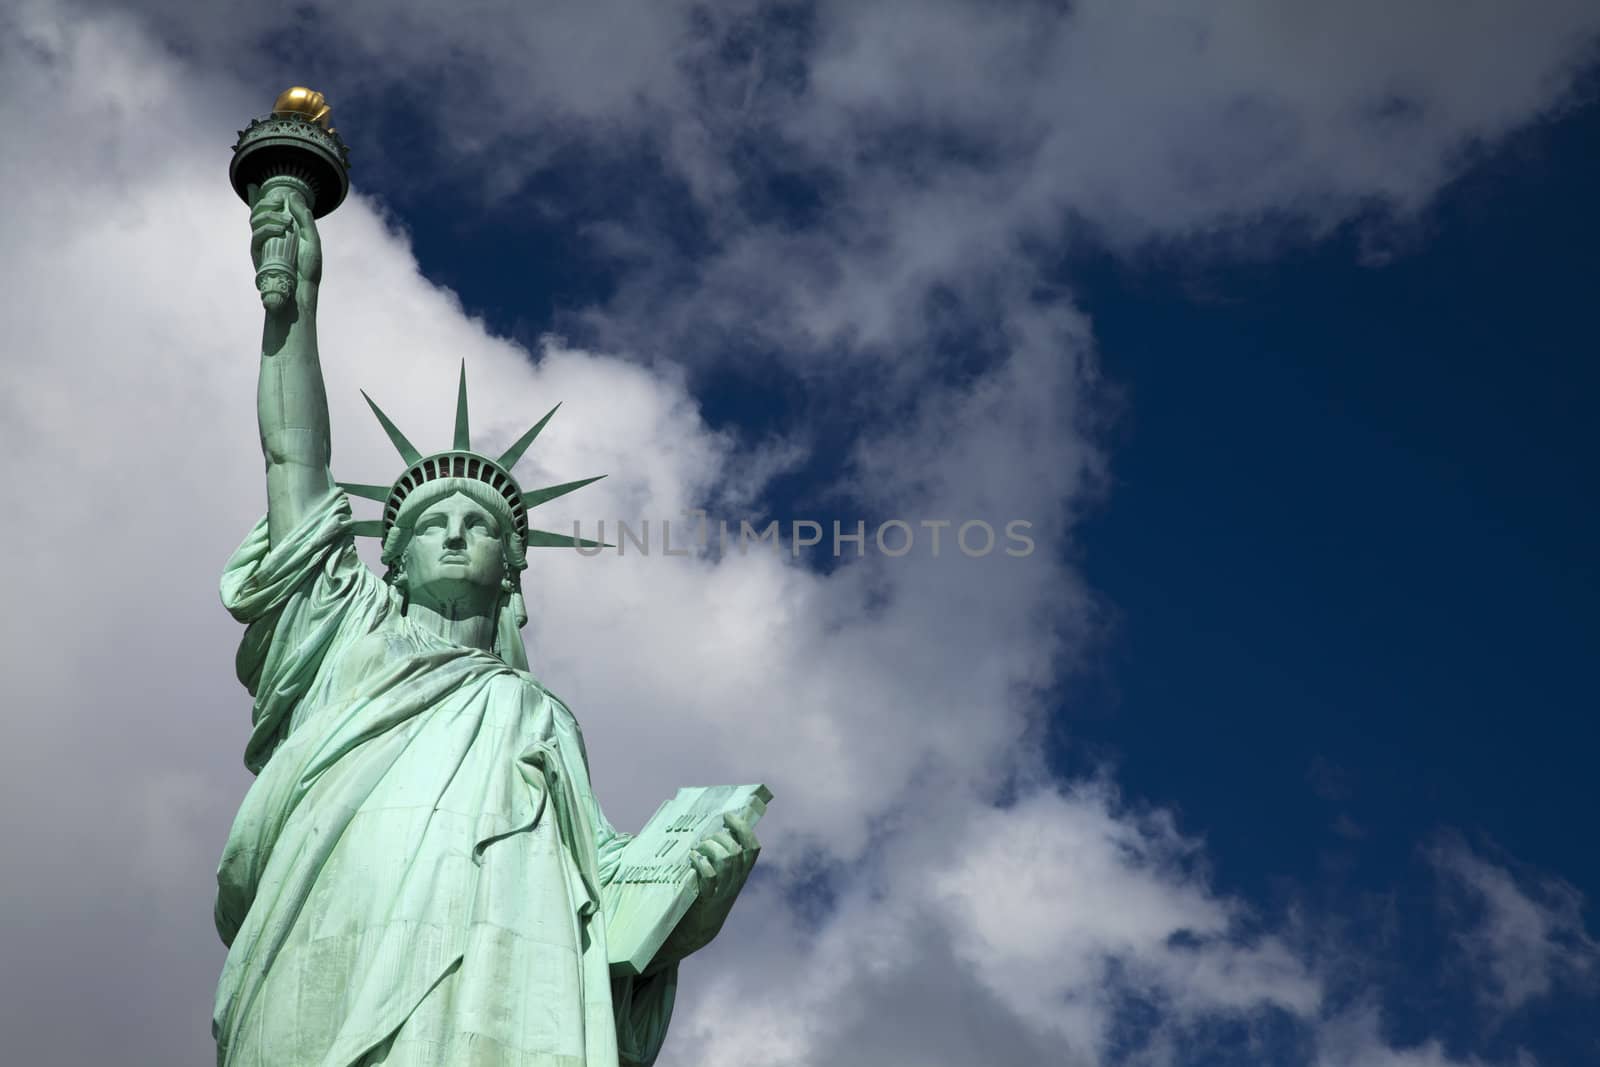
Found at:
[454, 559]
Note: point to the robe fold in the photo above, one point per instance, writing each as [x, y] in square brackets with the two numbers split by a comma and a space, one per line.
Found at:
[416, 874]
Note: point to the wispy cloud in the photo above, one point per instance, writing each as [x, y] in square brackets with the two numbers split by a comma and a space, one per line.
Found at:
[1522, 932]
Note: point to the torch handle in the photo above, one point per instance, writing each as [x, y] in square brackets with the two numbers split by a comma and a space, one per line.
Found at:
[277, 267]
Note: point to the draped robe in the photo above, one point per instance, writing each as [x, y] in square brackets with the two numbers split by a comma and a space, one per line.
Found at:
[416, 875]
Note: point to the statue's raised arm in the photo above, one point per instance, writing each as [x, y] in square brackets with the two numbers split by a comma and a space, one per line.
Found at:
[291, 401]
[291, 169]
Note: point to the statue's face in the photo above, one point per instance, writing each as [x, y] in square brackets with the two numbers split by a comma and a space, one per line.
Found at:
[455, 553]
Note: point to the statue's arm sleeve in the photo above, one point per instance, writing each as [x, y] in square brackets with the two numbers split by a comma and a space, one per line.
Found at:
[642, 1004]
[301, 599]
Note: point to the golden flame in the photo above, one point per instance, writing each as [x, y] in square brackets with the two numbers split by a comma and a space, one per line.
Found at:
[302, 101]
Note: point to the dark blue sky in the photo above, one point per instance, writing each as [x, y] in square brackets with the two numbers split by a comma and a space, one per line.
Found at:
[1350, 551]
[1347, 548]
[1350, 537]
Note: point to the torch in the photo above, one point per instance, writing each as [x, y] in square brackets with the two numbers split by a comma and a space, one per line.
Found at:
[295, 149]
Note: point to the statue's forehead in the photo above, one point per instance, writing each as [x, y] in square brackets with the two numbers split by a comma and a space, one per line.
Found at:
[457, 503]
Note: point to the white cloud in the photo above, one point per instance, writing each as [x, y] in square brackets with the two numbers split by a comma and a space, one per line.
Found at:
[1043, 896]
[989, 935]
[1158, 120]
[1525, 935]
[1354, 1039]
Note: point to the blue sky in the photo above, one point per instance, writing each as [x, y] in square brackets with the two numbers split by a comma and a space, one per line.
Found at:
[1272, 320]
[1358, 492]
[1349, 549]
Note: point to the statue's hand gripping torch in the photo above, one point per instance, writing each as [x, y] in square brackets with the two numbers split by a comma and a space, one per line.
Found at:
[276, 239]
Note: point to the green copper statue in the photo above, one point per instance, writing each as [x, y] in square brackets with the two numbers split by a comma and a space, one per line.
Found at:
[420, 873]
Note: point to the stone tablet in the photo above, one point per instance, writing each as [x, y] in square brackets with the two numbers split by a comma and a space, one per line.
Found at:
[656, 883]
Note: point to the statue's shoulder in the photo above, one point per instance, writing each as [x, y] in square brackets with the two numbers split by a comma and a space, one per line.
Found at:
[559, 711]
[556, 703]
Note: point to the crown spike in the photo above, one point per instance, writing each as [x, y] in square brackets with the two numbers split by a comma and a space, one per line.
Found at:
[463, 439]
[368, 528]
[407, 450]
[380, 493]
[546, 539]
[539, 496]
[514, 453]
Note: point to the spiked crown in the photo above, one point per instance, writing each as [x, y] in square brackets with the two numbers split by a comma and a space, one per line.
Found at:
[461, 463]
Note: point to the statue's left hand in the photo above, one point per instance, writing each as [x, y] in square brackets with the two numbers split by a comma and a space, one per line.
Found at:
[723, 862]
[282, 212]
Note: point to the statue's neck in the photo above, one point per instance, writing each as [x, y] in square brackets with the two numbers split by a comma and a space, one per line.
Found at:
[460, 622]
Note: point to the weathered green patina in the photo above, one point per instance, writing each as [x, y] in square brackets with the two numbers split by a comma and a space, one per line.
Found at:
[420, 873]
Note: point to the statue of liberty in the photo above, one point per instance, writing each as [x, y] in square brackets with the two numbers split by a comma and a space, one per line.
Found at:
[420, 873]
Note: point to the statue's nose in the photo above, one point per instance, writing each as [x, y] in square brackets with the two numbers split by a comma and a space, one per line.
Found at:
[455, 533]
